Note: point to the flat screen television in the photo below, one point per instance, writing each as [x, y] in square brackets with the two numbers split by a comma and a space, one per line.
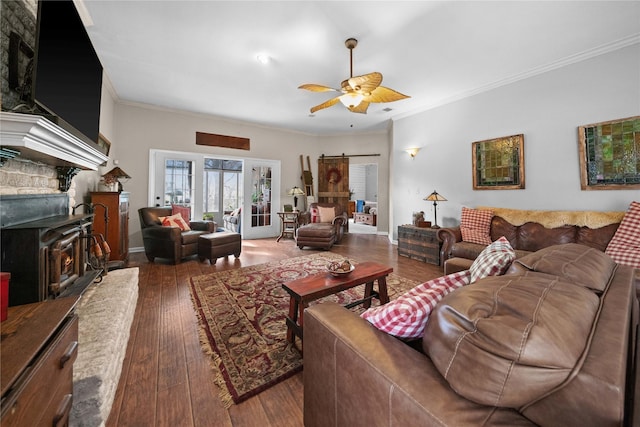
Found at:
[67, 79]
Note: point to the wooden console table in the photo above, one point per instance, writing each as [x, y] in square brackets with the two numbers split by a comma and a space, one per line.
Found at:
[419, 243]
[39, 344]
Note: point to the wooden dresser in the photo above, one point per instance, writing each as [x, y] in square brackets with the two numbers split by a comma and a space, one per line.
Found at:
[39, 344]
[419, 243]
[117, 230]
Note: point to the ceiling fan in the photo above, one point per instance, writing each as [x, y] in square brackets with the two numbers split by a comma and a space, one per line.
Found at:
[357, 92]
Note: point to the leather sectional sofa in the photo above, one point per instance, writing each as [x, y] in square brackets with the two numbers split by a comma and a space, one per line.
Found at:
[552, 342]
[529, 231]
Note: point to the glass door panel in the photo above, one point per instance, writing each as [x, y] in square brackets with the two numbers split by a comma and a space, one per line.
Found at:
[261, 196]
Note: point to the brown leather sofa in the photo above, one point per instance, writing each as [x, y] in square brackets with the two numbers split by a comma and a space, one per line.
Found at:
[170, 242]
[526, 234]
[320, 234]
[570, 362]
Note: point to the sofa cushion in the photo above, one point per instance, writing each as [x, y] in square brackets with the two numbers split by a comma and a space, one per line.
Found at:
[533, 236]
[326, 214]
[475, 225]
[579, 264]
[175, 221]
[315, 214]
[624, 247]
[501, 227]
[597, 238]
[508, 340]
[493, 260]
[185, 211]
[406, 316]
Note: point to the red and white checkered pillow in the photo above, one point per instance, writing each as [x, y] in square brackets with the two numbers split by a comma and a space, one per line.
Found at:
[175, 221]
[475, 225]
[406, 316]
[624, 247]
[493, 260]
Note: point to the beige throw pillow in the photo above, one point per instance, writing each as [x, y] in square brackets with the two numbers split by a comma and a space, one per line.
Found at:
[326, 214]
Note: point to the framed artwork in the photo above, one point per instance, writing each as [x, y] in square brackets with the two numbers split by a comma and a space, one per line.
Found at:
[103, 144]
[610, 155]
[498, 164]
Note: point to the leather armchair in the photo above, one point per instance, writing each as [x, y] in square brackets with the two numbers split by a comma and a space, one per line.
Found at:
[170, 242]
[321, 234]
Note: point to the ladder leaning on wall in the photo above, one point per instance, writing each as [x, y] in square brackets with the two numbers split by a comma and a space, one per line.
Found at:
[307, 178]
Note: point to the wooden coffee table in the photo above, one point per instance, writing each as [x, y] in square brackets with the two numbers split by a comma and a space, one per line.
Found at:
[311, 288]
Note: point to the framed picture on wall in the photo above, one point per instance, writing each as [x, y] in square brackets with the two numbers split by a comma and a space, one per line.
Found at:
[103, 145]
[610, 155]
[498, 164]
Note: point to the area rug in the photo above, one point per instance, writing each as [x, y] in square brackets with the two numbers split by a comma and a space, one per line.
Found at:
[242, 318]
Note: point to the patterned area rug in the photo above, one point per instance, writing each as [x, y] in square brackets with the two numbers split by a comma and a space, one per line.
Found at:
[242, 314]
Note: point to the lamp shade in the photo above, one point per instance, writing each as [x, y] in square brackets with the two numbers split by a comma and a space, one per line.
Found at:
[118, 173]
[351, 100]
[295, 191]
[435, 197]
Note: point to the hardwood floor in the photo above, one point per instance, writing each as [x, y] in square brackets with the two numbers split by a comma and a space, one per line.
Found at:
[167, 379]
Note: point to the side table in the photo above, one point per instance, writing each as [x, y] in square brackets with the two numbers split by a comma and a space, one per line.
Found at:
[289, 221]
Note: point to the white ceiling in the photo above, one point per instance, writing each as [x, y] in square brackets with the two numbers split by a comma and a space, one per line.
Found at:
[200, 56]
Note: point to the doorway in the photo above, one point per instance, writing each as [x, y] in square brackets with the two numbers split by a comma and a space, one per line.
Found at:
[363, 184]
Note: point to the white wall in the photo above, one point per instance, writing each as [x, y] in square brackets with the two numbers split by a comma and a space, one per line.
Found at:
[140, 128]
[547, 109]
[86, 181]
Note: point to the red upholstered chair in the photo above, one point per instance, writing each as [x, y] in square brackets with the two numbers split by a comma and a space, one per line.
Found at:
[170, 242]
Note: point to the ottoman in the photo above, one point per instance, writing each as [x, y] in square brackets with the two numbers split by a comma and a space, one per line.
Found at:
[219, 244]
[316, 235]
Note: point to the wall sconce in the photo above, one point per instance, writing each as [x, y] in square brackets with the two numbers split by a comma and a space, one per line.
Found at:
[412, 151]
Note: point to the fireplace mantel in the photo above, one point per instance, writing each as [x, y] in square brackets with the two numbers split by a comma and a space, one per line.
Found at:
[37, 138]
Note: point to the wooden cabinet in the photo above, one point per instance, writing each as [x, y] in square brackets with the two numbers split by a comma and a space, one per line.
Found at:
[39, 347]
[116, 229]
[419, 243]
[351, 208]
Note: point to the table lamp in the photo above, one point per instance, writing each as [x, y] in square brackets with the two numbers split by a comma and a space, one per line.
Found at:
[435, 198]
[118, 174]
[295, 192]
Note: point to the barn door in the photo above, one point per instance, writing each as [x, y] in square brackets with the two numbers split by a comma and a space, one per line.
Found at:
[333, 181]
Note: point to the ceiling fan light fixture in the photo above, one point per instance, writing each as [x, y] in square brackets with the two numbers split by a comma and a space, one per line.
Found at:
[351, 100]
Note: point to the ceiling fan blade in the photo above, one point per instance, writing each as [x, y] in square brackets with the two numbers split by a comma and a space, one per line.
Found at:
[317, 88]
[360, 108]
[384, 94]
[365, 84]
[327, 104]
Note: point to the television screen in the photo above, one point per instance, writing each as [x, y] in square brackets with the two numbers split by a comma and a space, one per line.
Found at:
[67, 72]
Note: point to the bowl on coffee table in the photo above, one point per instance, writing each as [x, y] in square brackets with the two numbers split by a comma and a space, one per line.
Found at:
[340, 268]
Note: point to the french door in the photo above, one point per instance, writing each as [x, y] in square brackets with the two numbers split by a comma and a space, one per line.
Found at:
[210, 187]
